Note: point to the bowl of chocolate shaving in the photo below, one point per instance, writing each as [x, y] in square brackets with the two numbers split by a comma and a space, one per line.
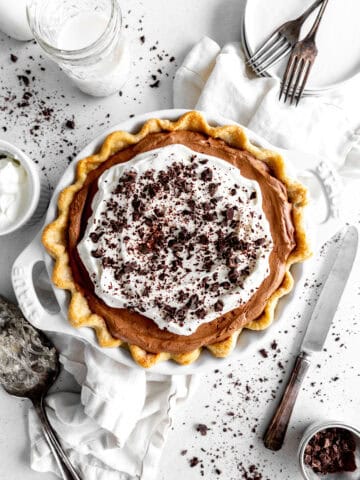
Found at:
[330, 451]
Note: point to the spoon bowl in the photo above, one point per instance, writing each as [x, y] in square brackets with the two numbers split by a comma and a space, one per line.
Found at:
[29, 365]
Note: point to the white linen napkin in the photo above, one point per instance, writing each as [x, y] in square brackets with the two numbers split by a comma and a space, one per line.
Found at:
[115, 427]
[217, 81]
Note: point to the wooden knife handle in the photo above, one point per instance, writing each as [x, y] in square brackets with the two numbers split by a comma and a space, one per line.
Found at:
[276, 431]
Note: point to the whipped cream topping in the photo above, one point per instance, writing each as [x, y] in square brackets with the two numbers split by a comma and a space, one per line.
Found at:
[177, 236]
[13, 190]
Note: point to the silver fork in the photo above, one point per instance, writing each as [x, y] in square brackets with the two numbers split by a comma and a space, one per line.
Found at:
[280, 42]
[300, 63]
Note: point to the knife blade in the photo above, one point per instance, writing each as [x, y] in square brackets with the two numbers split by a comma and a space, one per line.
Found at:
[340, 262]
[332, 290]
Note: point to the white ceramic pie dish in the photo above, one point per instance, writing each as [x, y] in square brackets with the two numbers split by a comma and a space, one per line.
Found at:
[249, 341]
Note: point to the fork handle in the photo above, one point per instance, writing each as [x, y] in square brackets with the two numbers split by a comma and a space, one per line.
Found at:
[66, 468]
[309, 11]
[312, 34]
[276, 431]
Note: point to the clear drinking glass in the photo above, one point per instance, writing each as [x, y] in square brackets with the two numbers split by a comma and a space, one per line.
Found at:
[85, 38]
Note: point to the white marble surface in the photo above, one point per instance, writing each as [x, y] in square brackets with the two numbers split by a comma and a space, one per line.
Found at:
[240, 398]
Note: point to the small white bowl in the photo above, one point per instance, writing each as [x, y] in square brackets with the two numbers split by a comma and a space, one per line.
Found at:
[314, 428]
[34, 186]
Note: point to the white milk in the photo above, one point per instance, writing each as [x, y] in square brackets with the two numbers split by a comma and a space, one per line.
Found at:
[107, 75]
[81, 31]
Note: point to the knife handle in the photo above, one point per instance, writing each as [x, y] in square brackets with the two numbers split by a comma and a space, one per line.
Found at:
[276, 431]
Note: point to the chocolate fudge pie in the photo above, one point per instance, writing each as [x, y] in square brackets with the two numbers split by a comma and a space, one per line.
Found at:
[176, 238]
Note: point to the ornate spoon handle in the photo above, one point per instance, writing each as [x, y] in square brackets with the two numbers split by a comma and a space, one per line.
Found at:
[65, 466]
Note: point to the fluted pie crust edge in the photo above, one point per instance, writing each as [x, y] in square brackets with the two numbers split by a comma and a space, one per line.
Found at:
[55, 234]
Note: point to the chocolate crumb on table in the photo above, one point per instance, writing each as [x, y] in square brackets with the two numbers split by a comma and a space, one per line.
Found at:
[202, 429]
[24, 79]
[70, 124]
[194, 461]
[263, 353]
[331, 451]
[155, 84]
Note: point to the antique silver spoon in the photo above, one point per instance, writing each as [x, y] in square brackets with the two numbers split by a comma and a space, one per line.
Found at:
[29, 365]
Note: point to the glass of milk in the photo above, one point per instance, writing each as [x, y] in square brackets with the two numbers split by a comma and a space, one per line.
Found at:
[85, 38]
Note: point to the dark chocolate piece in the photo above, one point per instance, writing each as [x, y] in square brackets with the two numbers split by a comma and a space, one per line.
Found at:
[331, 451]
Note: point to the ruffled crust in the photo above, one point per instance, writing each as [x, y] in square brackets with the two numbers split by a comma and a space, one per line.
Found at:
[55, 234]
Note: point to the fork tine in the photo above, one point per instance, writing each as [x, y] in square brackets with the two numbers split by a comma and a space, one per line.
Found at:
[292, 76]
[275, 58]
[289, 70]
[301, 91]
[268, 52]
[301, 69]
[267, 44]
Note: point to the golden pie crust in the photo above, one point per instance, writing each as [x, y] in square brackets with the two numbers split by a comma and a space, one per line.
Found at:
[55, 234]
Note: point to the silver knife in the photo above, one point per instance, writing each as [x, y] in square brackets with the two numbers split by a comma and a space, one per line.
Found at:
[341, 262]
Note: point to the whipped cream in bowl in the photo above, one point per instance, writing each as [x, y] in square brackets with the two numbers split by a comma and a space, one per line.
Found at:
[19, 188]
[178, 236]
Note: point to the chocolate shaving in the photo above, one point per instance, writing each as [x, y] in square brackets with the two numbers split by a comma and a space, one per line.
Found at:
[207, 175]
[218, 306]
[331, 451]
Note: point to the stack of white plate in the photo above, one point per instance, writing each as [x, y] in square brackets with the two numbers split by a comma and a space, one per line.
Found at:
[338, 38]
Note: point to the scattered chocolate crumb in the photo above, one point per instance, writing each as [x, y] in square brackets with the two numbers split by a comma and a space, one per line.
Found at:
[155, 84]
[230, 213]
[70, 124]
[13, 58]
[206, 175]
[281, 366]
[202, 429]
[250, 473]
[142, 39]
[24, 79]
[194, 461]
[47, 113]
[219, 305]
[263, 353]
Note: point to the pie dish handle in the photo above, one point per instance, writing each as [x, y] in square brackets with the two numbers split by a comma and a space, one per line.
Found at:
[22, 277]
[325, 188]
[323, 183]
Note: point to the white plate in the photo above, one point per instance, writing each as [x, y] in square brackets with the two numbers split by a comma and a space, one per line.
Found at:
[338, 38]
[248, 341]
